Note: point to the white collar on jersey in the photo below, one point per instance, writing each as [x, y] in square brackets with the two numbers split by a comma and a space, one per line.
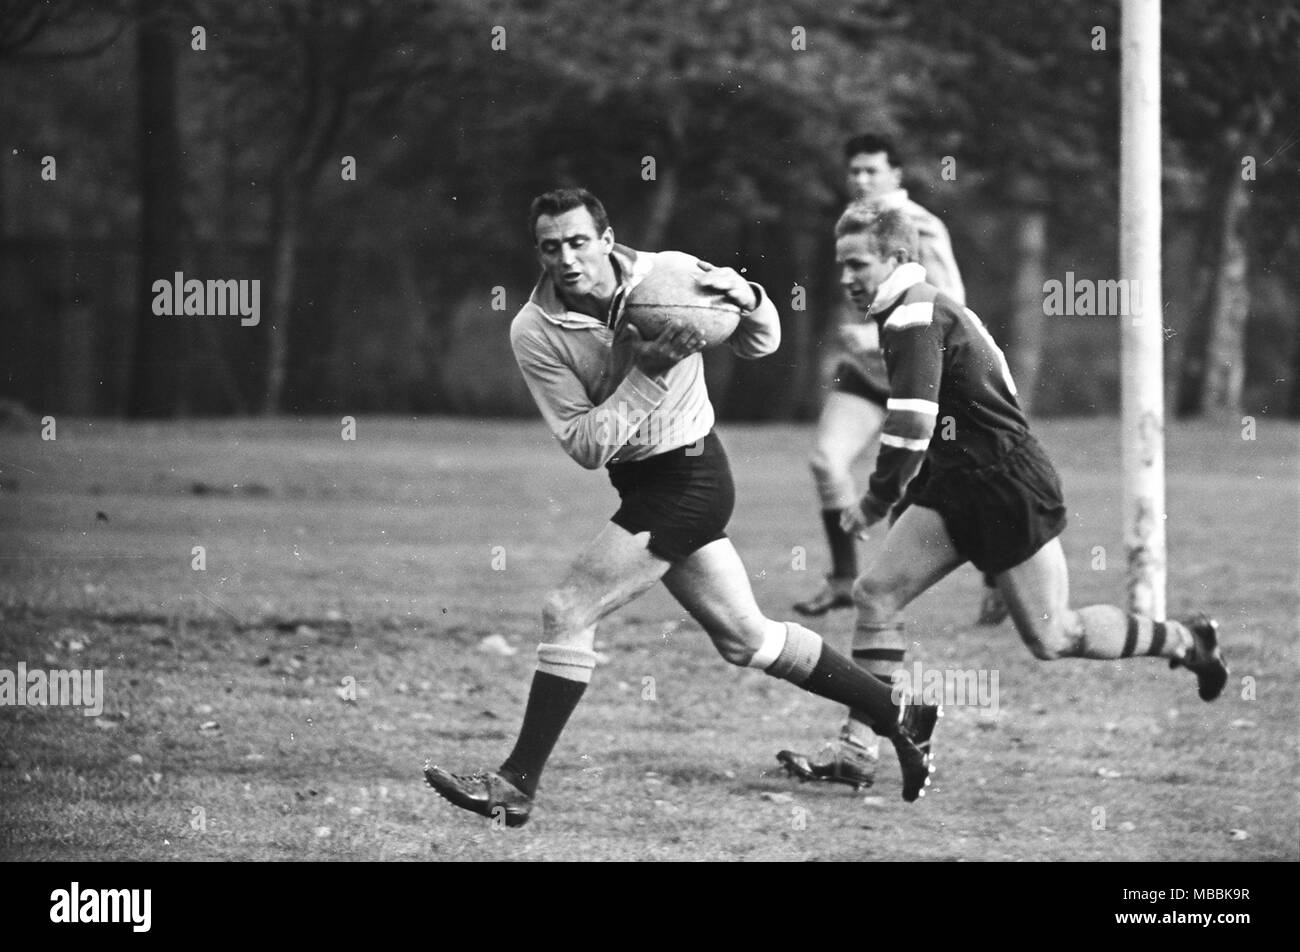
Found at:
[633, 266]
[905, 276]
[890, 200]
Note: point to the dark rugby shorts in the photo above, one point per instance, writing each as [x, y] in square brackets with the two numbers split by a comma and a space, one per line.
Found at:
[684, 497]
[997, 515]
[872, 385]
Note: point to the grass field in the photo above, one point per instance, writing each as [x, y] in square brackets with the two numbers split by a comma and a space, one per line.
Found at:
[376, 568]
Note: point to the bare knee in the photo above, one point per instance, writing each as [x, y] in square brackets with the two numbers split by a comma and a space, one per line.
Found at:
[1043, 650]
[823, 466]
[734, 652]
[875, 600]
[567, 619]
[1049, 638]
[738, 640]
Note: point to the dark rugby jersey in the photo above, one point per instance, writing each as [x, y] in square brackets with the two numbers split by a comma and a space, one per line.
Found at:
[952, 401]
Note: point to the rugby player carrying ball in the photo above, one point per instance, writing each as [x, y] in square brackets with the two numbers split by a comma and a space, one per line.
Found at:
[599, 387]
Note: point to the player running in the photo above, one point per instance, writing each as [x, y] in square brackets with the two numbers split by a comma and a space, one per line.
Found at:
[989, 495]
[640, 409]
[854, 411]
[849, 426]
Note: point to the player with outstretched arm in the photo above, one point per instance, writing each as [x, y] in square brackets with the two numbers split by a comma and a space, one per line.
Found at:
[848, 427]
[605, 392]
[989, 495]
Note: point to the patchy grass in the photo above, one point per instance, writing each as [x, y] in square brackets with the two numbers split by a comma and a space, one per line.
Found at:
[377, 567]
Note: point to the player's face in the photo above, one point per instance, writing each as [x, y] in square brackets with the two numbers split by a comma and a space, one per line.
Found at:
[871, 175]
[862, 270]
[574, 255]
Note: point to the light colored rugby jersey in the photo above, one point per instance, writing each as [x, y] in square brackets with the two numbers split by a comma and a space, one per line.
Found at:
[942, 364]
[601, 408]
[934, 249]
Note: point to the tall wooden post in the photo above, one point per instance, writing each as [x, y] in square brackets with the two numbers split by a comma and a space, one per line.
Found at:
[1142, 330]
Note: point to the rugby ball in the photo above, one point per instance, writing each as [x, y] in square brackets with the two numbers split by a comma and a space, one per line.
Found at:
[671, 292]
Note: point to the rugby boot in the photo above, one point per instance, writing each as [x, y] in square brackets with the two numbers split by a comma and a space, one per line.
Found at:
[836, 593]
[846, 761]
[486, 793]
[1204, 659]
[912, 743]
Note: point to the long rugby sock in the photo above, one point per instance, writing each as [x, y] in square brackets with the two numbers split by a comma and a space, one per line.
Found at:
[844, 551]
[1110, 632]
[805, 660]
[879, 648]
[1163, 639]
[558, 684]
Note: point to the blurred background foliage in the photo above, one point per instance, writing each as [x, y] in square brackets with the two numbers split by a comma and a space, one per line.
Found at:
[377, 294]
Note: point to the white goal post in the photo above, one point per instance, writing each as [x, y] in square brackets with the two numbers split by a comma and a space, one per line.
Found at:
[1142, 411]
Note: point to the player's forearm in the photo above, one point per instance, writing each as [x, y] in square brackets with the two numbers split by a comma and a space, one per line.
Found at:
[895, 468]
[592, 436]
[759, 331]
[904, 441]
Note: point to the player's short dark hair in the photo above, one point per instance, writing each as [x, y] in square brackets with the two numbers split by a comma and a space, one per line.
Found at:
[561, 200]
[886, 232]
[872, 145]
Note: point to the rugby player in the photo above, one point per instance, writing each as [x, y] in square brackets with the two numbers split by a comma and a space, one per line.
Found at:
[640, 409]
[849, 425]
[990, 495]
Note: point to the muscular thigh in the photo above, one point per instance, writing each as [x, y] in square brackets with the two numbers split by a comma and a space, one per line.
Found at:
[916, 554]
[847, 427]
[714, 587]
[1037, 592]
[611, 570]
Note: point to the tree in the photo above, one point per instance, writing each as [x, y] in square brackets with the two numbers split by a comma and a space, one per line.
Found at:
[158, 359]
[59, 29]
[710, 127]
[1026, 104]
[48, 295]
[304, 70]
[1230, 78]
